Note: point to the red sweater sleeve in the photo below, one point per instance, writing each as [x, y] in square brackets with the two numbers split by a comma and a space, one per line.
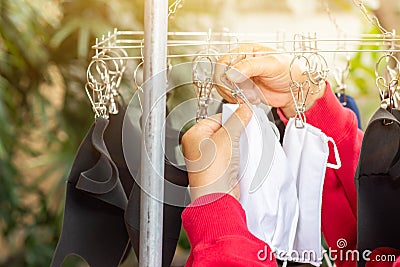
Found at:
[217, 231]
[339, 199]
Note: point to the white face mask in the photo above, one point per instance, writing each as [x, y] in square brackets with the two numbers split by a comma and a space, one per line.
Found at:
[307, 152]
[281, 188]
[267, 188]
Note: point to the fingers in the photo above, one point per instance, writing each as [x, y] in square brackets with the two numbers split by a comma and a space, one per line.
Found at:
[238, 121]
[242, 52]
[266, 66]
[223, 85]
[196, 138]
[204, 128]
[256, 74]
[209, 126]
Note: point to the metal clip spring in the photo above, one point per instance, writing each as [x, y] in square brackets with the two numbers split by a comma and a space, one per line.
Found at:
[387, 83]
[202, 80]
[301, 89]
[104, 79]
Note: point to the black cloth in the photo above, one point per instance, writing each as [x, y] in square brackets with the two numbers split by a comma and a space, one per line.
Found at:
[378, 184]
[175, 199]
[93, 224]
[279, 124]
[99, 221]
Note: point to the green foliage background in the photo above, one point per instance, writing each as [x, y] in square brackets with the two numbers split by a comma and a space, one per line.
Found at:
[44, 51]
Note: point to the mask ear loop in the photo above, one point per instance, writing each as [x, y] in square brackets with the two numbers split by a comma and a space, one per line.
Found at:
[139, 88]
[337, 156]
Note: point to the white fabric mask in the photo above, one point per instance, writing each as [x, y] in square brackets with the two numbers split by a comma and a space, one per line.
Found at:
[267, 188]
[307, 152]
[281, 187]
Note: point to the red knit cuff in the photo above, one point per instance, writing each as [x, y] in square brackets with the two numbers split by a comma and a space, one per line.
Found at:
[213, 216]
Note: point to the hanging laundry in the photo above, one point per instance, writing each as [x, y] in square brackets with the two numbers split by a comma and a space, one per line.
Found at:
[176, 195]
[267, 188]
[307, 153]
[378, 184]
[349, 102]
[93, 224]
[281, 187]
[96, 223]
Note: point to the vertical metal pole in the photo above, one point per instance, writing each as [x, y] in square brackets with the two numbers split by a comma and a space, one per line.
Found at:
[153, 134]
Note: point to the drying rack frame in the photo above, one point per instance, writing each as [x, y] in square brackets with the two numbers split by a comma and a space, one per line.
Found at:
[134, 40]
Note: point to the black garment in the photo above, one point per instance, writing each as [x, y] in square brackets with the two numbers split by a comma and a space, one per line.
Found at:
[378, 184]
[93, 225]
[279, 124]
[95, 222]
[175, 199]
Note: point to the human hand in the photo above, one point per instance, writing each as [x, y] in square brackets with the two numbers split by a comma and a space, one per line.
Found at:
[263, 78]
[211, 153]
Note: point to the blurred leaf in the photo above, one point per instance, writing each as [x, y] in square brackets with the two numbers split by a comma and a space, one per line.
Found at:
[64, 32]
[83, 41]
[39, 139]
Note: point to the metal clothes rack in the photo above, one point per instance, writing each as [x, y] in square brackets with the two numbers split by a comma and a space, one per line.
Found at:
[154, 102]
[153, 47]
[134, 42]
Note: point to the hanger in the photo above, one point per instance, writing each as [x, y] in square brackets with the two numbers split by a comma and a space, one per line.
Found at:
[340, 70]
[104, 78]
[300, 89]
[203, 80]
[132, 40]
[387, 80]
[387, 67]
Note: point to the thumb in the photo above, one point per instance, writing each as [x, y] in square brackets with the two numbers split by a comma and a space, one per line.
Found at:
[238, 121]
[205, 128]
[267, 66]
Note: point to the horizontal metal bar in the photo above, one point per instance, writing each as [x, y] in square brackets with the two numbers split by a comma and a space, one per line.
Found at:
[202, 42]
[257, 53]
[115, 38]
[133, 44]
[189, 41]
[215, 44]
[233, 34]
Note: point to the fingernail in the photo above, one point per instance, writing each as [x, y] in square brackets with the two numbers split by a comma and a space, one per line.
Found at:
[234, 75]
[252, 96]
